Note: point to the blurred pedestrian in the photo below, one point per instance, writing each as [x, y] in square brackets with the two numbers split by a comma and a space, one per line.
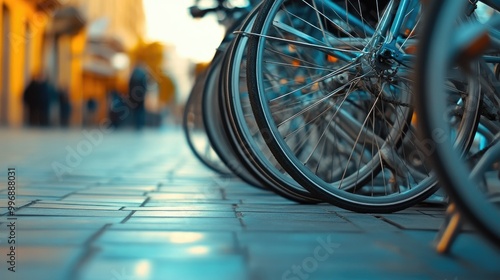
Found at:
[64, 107]
[30, 101]
[137, 94]
[46, 95]
[91, 109]
[118, 110]
[38, 97]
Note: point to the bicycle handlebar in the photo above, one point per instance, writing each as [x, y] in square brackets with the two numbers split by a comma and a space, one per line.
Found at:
[196, 12]
[199, 13]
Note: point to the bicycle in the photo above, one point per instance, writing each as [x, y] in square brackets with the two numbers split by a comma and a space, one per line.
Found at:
[472, 49]
[341, 74]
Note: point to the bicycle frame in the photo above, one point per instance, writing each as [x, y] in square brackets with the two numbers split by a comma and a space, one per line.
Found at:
[399, 14]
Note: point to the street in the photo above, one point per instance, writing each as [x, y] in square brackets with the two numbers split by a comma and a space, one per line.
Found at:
[103, 204]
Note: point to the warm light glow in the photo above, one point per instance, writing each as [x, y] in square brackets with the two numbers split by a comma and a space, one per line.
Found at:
[120, 61]
[185, 237]
[143, 269]
[198, 250]
[170, 22]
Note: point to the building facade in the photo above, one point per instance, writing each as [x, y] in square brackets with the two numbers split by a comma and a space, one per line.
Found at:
[81, 45]
[98, 61]
[23, 24]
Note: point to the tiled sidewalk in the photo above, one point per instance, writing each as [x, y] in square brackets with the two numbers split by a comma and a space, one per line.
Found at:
[132, 206]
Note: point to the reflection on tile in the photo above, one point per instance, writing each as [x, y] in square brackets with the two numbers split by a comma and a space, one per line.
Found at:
[167, 202]
[167, 237]
[216, 268]
[182, 224]
[189, 188]
[184, 196]
[153, 251]
[187, 214]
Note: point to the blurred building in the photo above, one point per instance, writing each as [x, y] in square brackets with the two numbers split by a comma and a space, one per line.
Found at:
[81, 45]
[99, 54]
[22, 31]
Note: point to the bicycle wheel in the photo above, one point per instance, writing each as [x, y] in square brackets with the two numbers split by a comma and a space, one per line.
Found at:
[213, 122]
[457, 43]
[194, 130]
[242, 126]
[335, 76]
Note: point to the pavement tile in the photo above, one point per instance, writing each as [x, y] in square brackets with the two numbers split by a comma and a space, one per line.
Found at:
[383, 250]
[111, 192]
[189, 224]
[193, 173]
[270, 208]
[125, 200]
[23, 191]
[32, 198]
[56, 222]
[158, 251]
[264, 199]
[70, 212]
[73, 206]
[82, 224]
[124, 186]
[236, 185]
[179, 226]
[194, 187]
[462, 253]
[137, 181]
[53, 186]
[184, 196]
[51, 237]
[166, 202]
[367, 222]
[168, 238]
[19, 202]
[185, 207]
[216, 268]
[295, 217]
[43, 262]
[295, 222]
[191, 181]
[83, 203]
[413, 221]
[155, 212]
[186, 214]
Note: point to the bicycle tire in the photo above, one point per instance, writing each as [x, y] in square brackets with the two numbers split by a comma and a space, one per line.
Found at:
[435, 57]
[240, 121]
[395, 201]
[192, 126]
[213, 122]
